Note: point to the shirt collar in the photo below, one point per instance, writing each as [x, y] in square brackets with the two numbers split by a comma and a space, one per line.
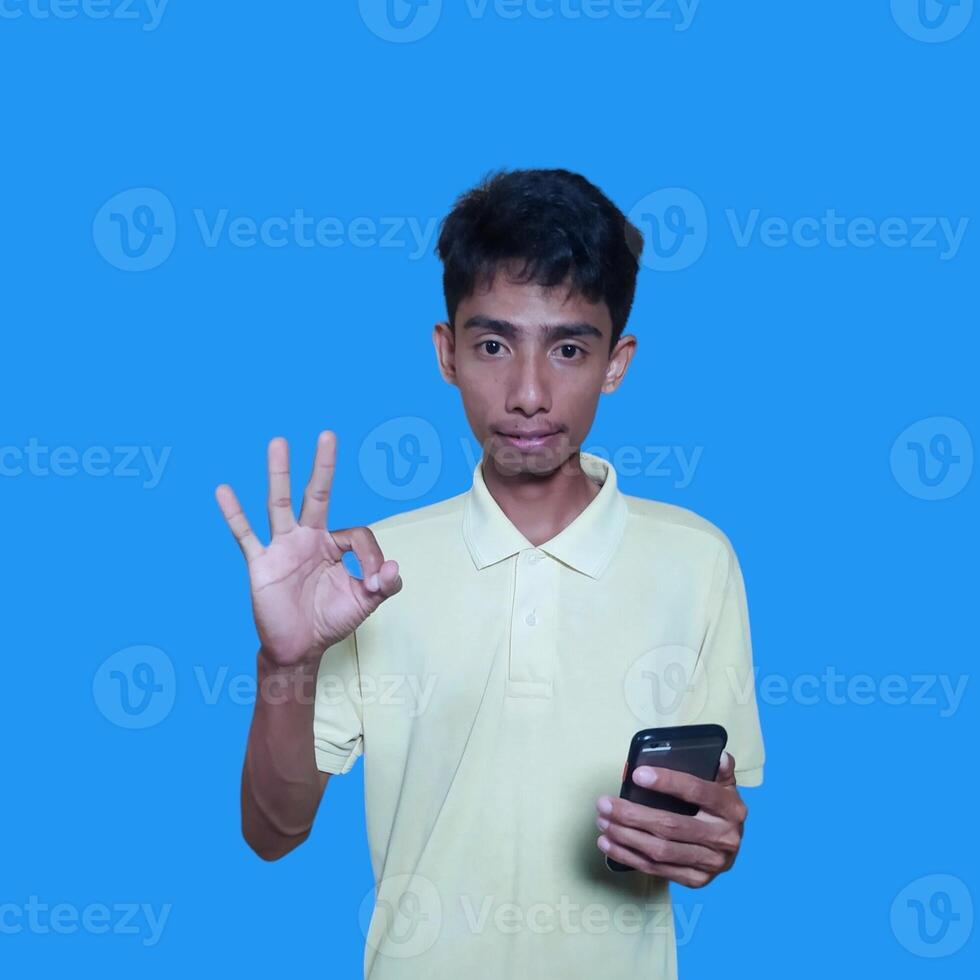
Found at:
[586, 545]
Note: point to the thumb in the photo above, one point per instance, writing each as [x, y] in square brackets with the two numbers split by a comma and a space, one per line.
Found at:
[726, 770]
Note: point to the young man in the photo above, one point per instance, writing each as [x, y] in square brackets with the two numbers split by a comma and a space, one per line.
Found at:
[505, 644]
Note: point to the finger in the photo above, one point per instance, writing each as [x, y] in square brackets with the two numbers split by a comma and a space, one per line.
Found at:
[362, 542]
[281, 517]
[655, 848]
[726, 770]
[664, 823]
[316, 499]
[704, 793]
[692, 877]
[384, 584]
[237, 521]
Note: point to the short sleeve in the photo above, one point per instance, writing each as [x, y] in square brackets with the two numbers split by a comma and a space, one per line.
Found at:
[724, 672]
[337, 719]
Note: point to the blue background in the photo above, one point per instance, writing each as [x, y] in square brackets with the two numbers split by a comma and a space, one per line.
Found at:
[793, 369]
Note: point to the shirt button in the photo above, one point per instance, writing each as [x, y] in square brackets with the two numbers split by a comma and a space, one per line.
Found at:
[534, 557]
[529, 619]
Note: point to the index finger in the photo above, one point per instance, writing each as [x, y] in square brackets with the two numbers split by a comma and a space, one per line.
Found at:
[706, 794]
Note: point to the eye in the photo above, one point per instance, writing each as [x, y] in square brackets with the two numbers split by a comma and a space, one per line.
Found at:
[484, 344]
[573, 348]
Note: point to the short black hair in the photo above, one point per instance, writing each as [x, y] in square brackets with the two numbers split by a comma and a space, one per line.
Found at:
[557, 224]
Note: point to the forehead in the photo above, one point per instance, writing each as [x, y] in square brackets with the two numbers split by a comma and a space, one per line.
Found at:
[531, 305]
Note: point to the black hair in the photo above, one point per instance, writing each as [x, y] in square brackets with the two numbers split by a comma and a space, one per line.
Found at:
[557, 224]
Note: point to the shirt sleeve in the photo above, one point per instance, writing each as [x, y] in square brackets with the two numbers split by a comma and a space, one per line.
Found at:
[725, 671]
[337, 719]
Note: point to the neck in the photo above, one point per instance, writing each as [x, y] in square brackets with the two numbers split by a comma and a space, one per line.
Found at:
[540, 505]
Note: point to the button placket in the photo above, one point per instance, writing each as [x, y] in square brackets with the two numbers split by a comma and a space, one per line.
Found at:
[531, 662]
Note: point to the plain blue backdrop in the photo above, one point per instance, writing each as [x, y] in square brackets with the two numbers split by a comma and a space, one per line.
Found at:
[806, 174]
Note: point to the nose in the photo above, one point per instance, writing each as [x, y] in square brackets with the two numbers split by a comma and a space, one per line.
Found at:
[528, 390]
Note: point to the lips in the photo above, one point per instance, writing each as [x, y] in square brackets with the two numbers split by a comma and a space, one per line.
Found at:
[530, 434]
[530, 439]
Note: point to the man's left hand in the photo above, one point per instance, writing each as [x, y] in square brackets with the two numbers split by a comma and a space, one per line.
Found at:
[689, 850]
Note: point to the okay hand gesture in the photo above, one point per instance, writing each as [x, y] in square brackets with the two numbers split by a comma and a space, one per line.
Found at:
[303, 598]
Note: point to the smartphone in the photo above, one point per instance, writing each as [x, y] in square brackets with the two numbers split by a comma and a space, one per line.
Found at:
[687, 748]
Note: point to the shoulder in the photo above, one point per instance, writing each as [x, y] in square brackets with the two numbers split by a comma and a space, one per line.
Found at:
[421, 521]
[679, 529]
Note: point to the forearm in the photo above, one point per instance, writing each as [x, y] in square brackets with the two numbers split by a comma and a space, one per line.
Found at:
[281, 785]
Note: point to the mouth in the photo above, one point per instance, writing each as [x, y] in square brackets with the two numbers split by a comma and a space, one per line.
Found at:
[531, 439]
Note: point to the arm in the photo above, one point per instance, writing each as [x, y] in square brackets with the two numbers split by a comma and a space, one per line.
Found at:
[281, 785]
[304, 603]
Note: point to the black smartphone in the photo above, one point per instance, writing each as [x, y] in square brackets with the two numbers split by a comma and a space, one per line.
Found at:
[687, 748]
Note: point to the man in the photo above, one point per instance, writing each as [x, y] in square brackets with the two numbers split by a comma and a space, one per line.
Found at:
[504, 644]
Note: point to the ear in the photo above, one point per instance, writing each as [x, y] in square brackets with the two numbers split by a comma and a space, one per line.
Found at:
[444, 341]
[619, 361]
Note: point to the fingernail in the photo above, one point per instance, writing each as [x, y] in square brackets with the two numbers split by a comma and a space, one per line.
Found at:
[602, 823]
[644, 776]
[603, 843]
[604, 804]
[373, 582]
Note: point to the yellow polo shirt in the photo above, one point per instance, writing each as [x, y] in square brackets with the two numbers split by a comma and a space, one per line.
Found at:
[494, 698]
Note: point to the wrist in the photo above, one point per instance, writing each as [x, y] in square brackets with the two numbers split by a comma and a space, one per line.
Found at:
[267, 666]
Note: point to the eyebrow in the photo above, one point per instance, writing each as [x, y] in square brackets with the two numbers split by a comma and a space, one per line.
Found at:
[553, 332]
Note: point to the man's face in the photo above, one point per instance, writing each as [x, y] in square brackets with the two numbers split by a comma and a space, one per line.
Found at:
[530, 364]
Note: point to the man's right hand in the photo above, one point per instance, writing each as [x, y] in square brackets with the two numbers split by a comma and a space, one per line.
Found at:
[303, 598]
